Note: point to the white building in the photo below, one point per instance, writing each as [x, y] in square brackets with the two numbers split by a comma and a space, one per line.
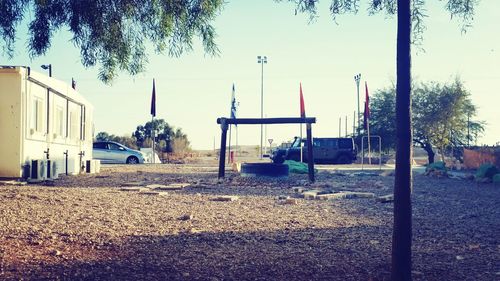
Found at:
[45, 125]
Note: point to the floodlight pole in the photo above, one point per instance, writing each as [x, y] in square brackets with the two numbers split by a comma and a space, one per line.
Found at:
[357, 78]
[262, 60]
[49, 67]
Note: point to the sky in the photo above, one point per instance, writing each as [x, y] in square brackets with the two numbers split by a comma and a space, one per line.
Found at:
[192, 91]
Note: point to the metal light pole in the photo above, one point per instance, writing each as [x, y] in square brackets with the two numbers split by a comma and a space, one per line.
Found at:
[49, 67]
[262, 60]
[357, 78]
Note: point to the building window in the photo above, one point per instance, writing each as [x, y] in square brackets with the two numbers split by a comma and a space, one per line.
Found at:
[73, 128]
[59, 128]
[37, 115]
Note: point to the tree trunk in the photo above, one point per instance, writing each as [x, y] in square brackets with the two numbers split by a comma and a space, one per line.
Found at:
[402, 232]
[430, 152]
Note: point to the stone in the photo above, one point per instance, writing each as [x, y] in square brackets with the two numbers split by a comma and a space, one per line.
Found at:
[134, 188]
[56, 252]
[150, 192]
[172, 186]
[283, 197]
[310, 194]
[13, 182]
[291, 201]
[362, 194]
[134, 183]
[186, 217]
[298, 189]
[328, 196]
[225, 198]
[386, 198]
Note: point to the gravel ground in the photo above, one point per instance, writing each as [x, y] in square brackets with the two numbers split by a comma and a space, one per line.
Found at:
[85, 228]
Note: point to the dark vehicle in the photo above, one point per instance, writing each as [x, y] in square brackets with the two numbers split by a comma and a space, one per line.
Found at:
[325, 151]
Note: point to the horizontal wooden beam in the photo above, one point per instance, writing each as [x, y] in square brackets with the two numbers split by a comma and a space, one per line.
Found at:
[256, 121]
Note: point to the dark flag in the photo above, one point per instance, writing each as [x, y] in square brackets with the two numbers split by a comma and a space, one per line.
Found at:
[153, 100]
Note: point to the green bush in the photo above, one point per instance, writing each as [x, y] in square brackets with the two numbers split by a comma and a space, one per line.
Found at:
[436, 166]
[486, 171]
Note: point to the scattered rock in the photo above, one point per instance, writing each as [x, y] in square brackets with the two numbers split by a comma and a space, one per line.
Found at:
[134, 188]
[56, 253]
[186, 217]
[134, 183]
[386, 198]
[225, 198]
[364, 174]
[172, 186]
[151, 192]
[12, 182]
[291, 201]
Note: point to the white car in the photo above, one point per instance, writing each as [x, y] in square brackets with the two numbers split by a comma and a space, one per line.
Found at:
[113, 152]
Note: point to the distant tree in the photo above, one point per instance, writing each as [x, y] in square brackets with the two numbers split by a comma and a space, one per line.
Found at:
[164, 132]
[112, 33]
[441, 116]
[410, 28]
[125, 140]
[383, 116]
[102, 136]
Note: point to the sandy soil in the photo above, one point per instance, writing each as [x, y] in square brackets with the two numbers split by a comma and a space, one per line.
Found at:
[85, 228]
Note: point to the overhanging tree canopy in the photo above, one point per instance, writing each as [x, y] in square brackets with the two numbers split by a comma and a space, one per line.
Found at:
[112, 33]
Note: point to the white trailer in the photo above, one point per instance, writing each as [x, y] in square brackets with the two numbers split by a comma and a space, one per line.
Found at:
[45, 126]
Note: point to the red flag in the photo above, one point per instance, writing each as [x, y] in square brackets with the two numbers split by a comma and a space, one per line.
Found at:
[153, 100]
[367, 108]
[302, 107]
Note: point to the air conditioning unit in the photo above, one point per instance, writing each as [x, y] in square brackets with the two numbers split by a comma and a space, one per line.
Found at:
[52, 170]
[92, 166]
[38, 170]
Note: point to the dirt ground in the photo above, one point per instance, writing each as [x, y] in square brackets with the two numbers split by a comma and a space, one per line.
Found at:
[86, 228]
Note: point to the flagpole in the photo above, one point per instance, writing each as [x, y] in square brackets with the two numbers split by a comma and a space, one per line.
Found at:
[153, 114]
[368, 129]
[300, 144]
[237, 148]
[229, 146]
[153, 139]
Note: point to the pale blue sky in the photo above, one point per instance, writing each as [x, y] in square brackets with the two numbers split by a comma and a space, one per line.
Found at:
[193, 90]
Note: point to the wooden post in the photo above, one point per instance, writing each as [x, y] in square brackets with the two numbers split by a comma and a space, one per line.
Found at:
[222, 155]
[310, 158]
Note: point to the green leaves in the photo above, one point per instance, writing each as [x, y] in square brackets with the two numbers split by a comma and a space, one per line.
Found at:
[113, 33]
[441, 115]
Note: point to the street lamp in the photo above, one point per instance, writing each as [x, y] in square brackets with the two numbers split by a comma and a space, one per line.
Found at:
[357, 78]
[262, 60]
[49, 67]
